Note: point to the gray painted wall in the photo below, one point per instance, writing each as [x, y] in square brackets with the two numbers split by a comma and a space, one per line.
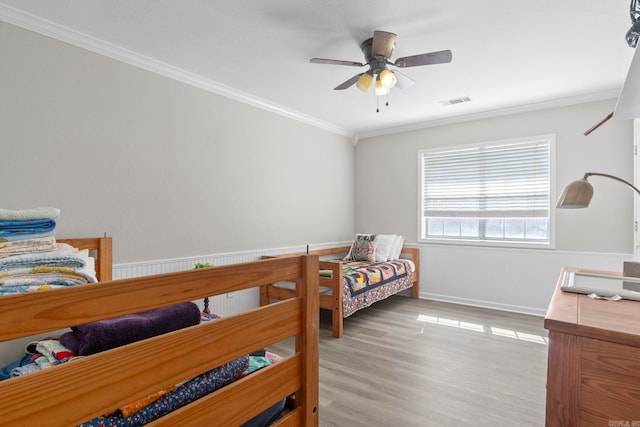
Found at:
[166, 169]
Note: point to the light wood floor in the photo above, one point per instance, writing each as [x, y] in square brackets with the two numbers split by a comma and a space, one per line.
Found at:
[406, 362]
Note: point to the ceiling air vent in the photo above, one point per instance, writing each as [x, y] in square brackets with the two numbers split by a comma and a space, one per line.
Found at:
[455, 101]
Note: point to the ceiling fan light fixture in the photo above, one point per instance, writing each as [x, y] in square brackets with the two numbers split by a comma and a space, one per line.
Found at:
[377, 51]
[388, 78]
[364, 82]
[380, 89]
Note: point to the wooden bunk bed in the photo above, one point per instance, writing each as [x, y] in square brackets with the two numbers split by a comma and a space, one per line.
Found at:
[82, 389]
[332, 285]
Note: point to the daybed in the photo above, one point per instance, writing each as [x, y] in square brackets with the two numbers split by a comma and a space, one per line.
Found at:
[336, 283]
[87, 387]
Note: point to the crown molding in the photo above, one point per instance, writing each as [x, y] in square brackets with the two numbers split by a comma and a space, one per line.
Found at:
[59, 32]
[528, 108]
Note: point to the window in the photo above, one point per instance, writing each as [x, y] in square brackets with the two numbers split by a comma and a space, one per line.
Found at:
[491, 193]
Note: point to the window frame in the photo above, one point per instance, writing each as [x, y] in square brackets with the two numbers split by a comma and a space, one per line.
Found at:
[482, 241]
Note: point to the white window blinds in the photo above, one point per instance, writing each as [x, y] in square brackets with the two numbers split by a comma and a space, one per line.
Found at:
[503, 180]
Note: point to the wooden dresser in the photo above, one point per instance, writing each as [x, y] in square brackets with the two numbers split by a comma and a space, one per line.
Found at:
[593, 375]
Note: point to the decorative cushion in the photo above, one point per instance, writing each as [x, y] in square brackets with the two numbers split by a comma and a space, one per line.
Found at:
[384, 243]
[363, 248]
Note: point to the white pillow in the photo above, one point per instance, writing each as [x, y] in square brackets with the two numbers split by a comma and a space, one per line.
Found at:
[396, 248]
[383, 249]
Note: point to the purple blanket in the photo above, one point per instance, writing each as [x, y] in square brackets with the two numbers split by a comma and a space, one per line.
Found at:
[103, 335]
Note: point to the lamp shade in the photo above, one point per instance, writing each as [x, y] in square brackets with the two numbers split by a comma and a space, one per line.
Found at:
[380, 89]
[364, 82]
[388, 78]
[576, 195]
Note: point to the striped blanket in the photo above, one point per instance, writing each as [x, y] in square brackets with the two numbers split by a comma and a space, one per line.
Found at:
[64, 266]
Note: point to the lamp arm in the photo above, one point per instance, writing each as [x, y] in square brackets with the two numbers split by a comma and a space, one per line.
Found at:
[588, 174]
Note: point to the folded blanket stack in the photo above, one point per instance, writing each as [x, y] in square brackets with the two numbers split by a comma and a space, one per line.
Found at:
[30, 257]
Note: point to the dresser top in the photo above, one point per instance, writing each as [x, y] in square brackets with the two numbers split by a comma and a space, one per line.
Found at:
[577, 314]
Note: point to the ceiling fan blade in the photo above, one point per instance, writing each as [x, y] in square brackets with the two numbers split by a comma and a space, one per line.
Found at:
[383, 43]
[336, 62]
[440, 57]
[402, 80]
[348, 83]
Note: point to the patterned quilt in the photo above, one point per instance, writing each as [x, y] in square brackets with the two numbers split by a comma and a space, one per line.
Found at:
[365, 283]
[362, 276]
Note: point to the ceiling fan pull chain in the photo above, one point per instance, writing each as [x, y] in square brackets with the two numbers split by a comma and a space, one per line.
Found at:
[377, 104]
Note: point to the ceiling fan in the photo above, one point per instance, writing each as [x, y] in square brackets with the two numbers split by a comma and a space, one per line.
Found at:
[377, 51]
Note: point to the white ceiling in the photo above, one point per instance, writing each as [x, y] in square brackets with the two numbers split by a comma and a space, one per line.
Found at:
[507, 55]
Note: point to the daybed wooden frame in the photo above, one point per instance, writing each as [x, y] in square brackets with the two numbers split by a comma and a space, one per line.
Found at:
[82, 389]
[334, 300]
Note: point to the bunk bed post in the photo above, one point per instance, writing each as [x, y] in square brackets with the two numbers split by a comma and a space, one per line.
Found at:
[308, 341]
[104, 262]
[337, 315]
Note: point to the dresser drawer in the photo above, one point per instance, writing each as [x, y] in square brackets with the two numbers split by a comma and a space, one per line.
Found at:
[609, 383]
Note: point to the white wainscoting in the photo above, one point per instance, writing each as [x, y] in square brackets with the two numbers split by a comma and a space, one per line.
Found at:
[224, 305]
[519, 280]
